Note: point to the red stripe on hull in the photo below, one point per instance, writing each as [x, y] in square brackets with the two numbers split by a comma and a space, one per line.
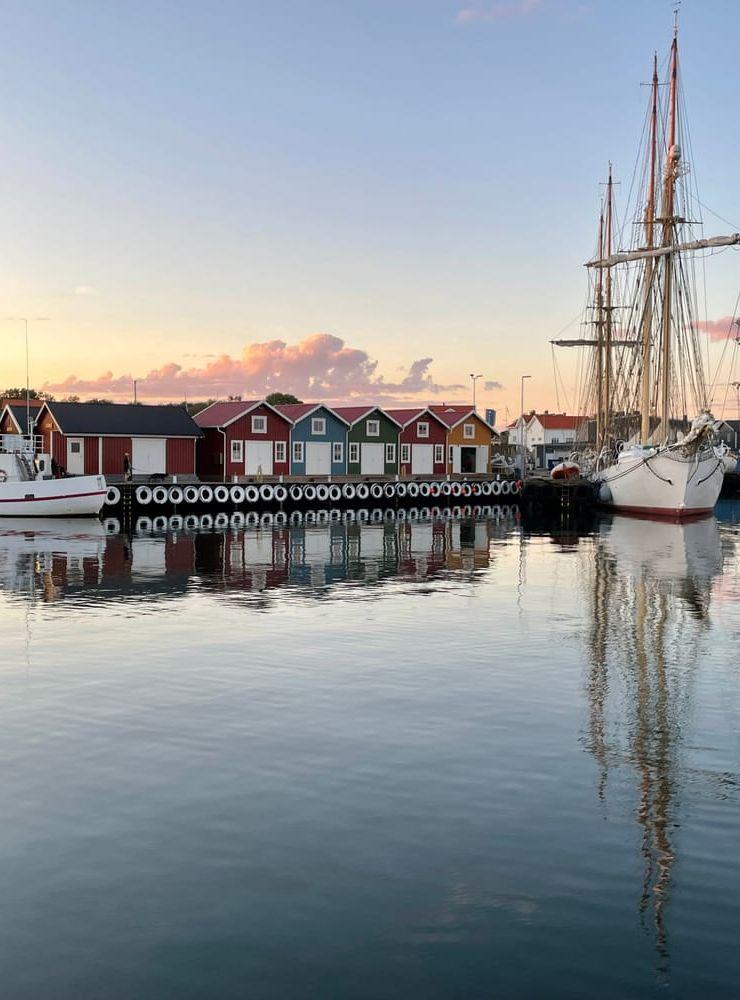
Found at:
[665, 513]
[65, 496]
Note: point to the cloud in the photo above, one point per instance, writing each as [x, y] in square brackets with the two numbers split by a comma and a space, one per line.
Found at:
[492, 386]
[320, 367]
[718, 329]
[499, 10]
[84, 290]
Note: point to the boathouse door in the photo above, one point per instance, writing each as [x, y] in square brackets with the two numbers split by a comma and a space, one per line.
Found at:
[422, 459]
[318, 458]
[148, 456]
[258, 459]
[467, 460]
[75, 456]
[373, 459]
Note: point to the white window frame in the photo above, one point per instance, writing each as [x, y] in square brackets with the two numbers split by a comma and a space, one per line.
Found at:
[405, 454]
[354, 452]
[298, 452]
[259, 424]
[469, 432]
[422, 429]
[280, 451]
[318, 425]
[451, 454]
[372, 428]
[439, 453]
[337, 452]
[390, 453]
[237, 451]
[75, 447]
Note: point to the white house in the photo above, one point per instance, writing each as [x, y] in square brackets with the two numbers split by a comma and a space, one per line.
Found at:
[551, 436]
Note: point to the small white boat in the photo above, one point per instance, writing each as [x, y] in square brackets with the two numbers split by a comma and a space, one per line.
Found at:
[27, 488]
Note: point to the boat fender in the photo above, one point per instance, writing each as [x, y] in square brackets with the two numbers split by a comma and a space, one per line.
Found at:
[205, 494]
[266, 492]
[221, 494]
[424, 489]
[485, 489]
[335, 492]
[348, 491]
[296, 492]
[191, 494]
[237, 494]
[389, 490]
[160, 494]
[143, 495]
[446, 489]
[413, 490]
[456, 489]
[401, 490]
[309, 493]
[251, 494]
[362, 492]
[176, 495]
[376, 491]
[466, 489]
[435, 489]
[113, 496]
[322, 492]
[280, 493]
[496, 488]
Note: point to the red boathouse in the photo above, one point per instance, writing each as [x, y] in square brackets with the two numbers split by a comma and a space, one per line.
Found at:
[243, 438]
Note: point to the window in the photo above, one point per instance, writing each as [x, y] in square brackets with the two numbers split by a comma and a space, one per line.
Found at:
[439, 454]
[280, 451]
[354, 452]
[390, 453]
[220, 458]
[554, 440]
[259, 425]
[237, 451]
[318, 425]
[450, 453]
[422, 429]
[74, 447]
[337, 452]
[469, 431]
[298, 451]
[372, 428]
[405, 454]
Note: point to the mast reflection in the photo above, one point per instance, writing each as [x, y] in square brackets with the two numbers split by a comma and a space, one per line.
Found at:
[650, 587]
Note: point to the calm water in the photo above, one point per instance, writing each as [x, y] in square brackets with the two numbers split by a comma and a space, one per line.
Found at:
[431, 758]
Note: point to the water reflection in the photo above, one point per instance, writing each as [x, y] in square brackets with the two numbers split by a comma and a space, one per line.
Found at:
[51, 560]
[649, 587]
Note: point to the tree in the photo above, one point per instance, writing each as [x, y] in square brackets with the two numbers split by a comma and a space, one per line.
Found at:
[71, 399]
[108, 402]
[282, 399]
[17, 393]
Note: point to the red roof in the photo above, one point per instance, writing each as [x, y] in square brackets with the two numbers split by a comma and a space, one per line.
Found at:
[295, 411]
[405, 415]
[220, 414]
[452, 415]
[558, 421]
[353, 413]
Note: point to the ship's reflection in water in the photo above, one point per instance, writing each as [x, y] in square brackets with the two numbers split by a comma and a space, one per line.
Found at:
[649, 586]
[53, 559]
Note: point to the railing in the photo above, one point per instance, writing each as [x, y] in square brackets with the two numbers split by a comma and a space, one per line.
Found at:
[21, 444]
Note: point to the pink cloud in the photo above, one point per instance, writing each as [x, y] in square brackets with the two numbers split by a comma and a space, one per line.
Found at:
[499, 10]
[320, 367]
[718, 329]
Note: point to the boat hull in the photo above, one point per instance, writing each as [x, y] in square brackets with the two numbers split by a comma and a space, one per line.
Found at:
[78, 496]
[663, 484]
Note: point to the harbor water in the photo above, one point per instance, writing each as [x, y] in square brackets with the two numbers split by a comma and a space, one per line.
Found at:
[453, 757]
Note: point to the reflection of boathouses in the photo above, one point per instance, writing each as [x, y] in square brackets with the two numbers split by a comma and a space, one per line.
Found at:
[54, 559]
[649, 586]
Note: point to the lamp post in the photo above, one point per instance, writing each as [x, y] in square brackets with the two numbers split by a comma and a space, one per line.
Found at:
[475, 379]
[521, 432]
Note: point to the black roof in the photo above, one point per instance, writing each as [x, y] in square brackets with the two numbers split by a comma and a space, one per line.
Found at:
[124, 419]
[18, 411]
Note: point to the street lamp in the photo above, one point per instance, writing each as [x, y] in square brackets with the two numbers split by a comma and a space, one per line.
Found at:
[475, 379]
[521, 433]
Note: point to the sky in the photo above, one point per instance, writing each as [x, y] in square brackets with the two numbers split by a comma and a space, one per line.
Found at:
[359, 199]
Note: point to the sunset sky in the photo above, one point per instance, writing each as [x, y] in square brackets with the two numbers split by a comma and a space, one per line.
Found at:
[359, 198]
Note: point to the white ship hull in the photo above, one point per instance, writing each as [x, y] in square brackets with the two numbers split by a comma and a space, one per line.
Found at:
[78, 496]
[662, 484]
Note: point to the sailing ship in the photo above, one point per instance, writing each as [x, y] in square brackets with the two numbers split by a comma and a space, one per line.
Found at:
[644, 371]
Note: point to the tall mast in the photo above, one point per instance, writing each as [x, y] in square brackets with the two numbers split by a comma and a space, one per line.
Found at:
[600, 341]
[673, 159]
[647, 316]
[608, 312]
